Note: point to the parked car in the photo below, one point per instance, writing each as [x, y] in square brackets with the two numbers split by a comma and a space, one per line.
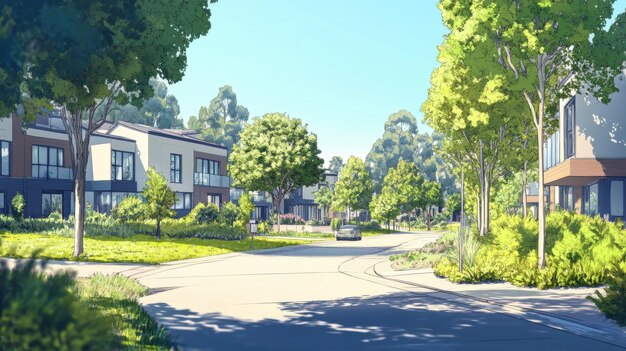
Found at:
[348, 232]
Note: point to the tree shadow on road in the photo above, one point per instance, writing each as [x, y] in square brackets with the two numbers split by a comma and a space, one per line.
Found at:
[393, 321]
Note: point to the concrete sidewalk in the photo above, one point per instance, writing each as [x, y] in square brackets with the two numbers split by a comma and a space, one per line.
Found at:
[565, 303]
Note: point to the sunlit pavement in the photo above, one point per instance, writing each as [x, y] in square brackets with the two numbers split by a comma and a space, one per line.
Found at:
[326, 296]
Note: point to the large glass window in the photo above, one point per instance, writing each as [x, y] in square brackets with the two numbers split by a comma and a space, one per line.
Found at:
[617, 198]
[47, 162]
[590, 200]
[51, 202]
[214, 199]
[122, 165]
[5, 158]
[207, 166]
[567, 198]
[570, 113]
[175, 168]
[183, 201]
[2, 203]
[107, 201]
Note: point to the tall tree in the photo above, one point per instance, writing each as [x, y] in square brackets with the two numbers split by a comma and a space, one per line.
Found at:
[86, 55]
[432, 198]
[222, 121]
[469, 104]
[276, 154]
[385, 207]
[405, 183]
[159, 111]
[324, 198]
[353, 190]
[159, 199]
[335, 164]
[551, 48]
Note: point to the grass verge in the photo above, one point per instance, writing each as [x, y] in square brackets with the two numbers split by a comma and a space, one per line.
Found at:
[136, 249]
[115, 297]
[425, 257]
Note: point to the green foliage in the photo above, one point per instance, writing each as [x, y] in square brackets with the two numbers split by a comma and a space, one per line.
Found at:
[426, 256]
[324, 198]
[159, 198]
[115, 297]
[17, 206]
[432, 197]
[453, 204]
[406, 184]
[205, 213]
[335, 223]
[229, 213]
[353, 190]
[385, 206]
[335, 164]
[580, 252]
[246, 207]
[401, 141]
[263, 227]
[41, 312]
[161, 110]
[613, 302]
[276, 154]
[222, 121]
[130, 209]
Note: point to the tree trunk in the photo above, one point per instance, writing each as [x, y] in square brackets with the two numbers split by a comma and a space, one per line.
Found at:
[427, 218]
[79, 215]
[541, 245]
[524, 186]
[158, 229]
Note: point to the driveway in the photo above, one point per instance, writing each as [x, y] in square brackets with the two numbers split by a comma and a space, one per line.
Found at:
[326, 296]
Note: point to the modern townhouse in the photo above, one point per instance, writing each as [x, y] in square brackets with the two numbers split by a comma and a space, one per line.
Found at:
[301, 202]
[261, 200]
[37, 163]
[585, 160]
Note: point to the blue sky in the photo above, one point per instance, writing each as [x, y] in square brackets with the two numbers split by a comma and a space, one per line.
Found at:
[341, 66]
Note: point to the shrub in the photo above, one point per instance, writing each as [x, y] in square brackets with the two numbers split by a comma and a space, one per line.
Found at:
[335, 223]
[579, 252]
[290, 218]
[17, 206]
[229, 214]
[613, 303]
[41, 312]
[206, 214]
[203, 231]
[131, 209]
[263, 227]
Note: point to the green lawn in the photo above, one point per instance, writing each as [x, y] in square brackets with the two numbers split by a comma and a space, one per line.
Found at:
[115, 298]
[136, 249]
[312, 235]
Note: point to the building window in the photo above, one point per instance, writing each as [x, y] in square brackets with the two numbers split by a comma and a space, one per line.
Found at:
[570, 115]
[51, 202]
[214, 199]
[122, 165]
[47, 162]
[175, 168]
[590, 199]
[5, 158]
[183, 201]
[2, 203]
[567, 198]
[106, 201]
[207, 166]
[617, 198]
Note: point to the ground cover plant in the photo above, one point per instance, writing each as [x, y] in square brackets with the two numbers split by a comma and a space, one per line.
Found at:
[425, 257]
[581, 251]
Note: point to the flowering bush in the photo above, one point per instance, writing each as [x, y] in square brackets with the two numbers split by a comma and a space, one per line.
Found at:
[290, 218]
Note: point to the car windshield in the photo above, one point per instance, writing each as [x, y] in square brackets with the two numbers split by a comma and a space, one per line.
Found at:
[348, 227]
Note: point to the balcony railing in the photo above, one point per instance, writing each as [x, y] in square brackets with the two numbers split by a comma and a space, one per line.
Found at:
[214, 180]
[52, 172]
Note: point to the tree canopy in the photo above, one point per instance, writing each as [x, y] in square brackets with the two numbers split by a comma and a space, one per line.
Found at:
[276, 154]
[335, 164]
[222, 121]
[353, 190]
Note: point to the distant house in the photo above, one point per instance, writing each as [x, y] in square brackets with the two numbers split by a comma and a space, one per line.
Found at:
[37, 163]
[301, 201]
[585, 160]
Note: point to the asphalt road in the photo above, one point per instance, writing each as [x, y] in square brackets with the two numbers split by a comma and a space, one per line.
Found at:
[325, 296]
